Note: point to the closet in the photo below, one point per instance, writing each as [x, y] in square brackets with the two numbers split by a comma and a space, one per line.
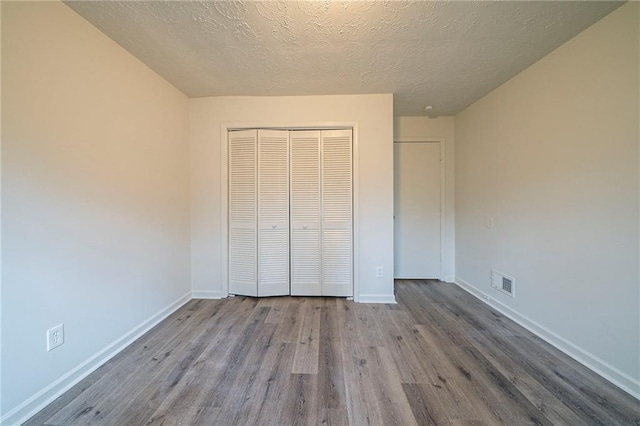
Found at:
[290, 212]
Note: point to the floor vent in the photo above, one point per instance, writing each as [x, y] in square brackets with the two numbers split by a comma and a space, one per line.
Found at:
[503, 283]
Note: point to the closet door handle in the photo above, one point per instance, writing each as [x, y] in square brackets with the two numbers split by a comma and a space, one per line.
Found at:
[274, 226]
[304, 226]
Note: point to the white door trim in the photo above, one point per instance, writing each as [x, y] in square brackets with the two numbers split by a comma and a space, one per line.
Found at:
[224, 190]
[443, 187]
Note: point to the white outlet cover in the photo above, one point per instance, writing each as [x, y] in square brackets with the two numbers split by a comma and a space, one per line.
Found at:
[55, 337]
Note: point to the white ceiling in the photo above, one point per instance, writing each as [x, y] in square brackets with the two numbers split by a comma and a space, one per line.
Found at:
[445, 54]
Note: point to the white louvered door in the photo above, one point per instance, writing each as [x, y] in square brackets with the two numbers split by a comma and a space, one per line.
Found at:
[243, 262]
[305, 214]
[290, 213]
[337, 217]
[273, 212]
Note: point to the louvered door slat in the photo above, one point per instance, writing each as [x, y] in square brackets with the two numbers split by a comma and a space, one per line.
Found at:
[337, 214]
[242, 213]
[273, 212]
[305, 214]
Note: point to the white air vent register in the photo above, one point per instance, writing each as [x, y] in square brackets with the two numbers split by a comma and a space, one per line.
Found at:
[503, 283]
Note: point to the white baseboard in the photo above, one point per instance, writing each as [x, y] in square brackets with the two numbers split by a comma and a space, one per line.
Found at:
[44, 397]
[609, 372]
[377, 298]
[450, 279]
[206, 294]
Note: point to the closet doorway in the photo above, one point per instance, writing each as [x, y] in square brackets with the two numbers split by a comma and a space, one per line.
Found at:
[290, 212]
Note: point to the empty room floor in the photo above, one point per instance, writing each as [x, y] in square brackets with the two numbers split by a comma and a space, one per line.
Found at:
[437, 357]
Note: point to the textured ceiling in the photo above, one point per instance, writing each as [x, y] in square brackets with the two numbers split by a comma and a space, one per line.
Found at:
[445, 54]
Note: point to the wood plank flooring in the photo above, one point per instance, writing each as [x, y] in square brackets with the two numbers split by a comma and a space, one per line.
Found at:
[437, 357]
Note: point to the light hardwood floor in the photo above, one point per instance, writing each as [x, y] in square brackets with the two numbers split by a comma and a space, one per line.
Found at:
[437, 357]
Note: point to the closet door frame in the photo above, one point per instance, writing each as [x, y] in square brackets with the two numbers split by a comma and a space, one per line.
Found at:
[224, 189]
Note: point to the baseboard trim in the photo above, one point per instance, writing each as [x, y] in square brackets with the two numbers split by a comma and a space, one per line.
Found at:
[377, 298]
[206, 294]
[602, 368]
[450, 279]
[44, 397]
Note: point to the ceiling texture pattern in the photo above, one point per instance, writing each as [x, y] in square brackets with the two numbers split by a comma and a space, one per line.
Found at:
[444, 54]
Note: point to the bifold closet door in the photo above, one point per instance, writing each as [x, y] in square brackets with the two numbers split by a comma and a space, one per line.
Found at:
[259, 212]
[243, 213]
[337, 213]
[305, 214]
[321, 213]
[290, 213]
[273, 212]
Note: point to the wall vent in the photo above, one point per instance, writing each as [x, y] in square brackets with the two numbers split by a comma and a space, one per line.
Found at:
[503, 283]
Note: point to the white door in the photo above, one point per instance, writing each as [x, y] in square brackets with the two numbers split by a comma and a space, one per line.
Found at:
[290, 213]
[321, 213]
[243, 166]
[417, 224]
[273, 212]
[337, 217]
[306, 277]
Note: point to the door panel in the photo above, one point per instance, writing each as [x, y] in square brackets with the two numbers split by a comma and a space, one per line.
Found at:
[417, 210]
[273, 212]
[337, 213]
[305, 214]
[243, 261]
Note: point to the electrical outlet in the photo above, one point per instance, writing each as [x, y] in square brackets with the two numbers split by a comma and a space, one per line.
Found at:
[379, 272]
[55, 337]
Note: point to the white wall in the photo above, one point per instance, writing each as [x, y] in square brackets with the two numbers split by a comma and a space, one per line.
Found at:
[552, 157]
[1, 212]
[374, 117]
[440, 127]
[95, 197]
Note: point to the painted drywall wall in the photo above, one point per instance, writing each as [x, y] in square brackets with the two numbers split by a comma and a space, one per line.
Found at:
[0, 208]
[440, 127]
[373, 115]
[638, 289]
[552, 157]
[95, 195]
